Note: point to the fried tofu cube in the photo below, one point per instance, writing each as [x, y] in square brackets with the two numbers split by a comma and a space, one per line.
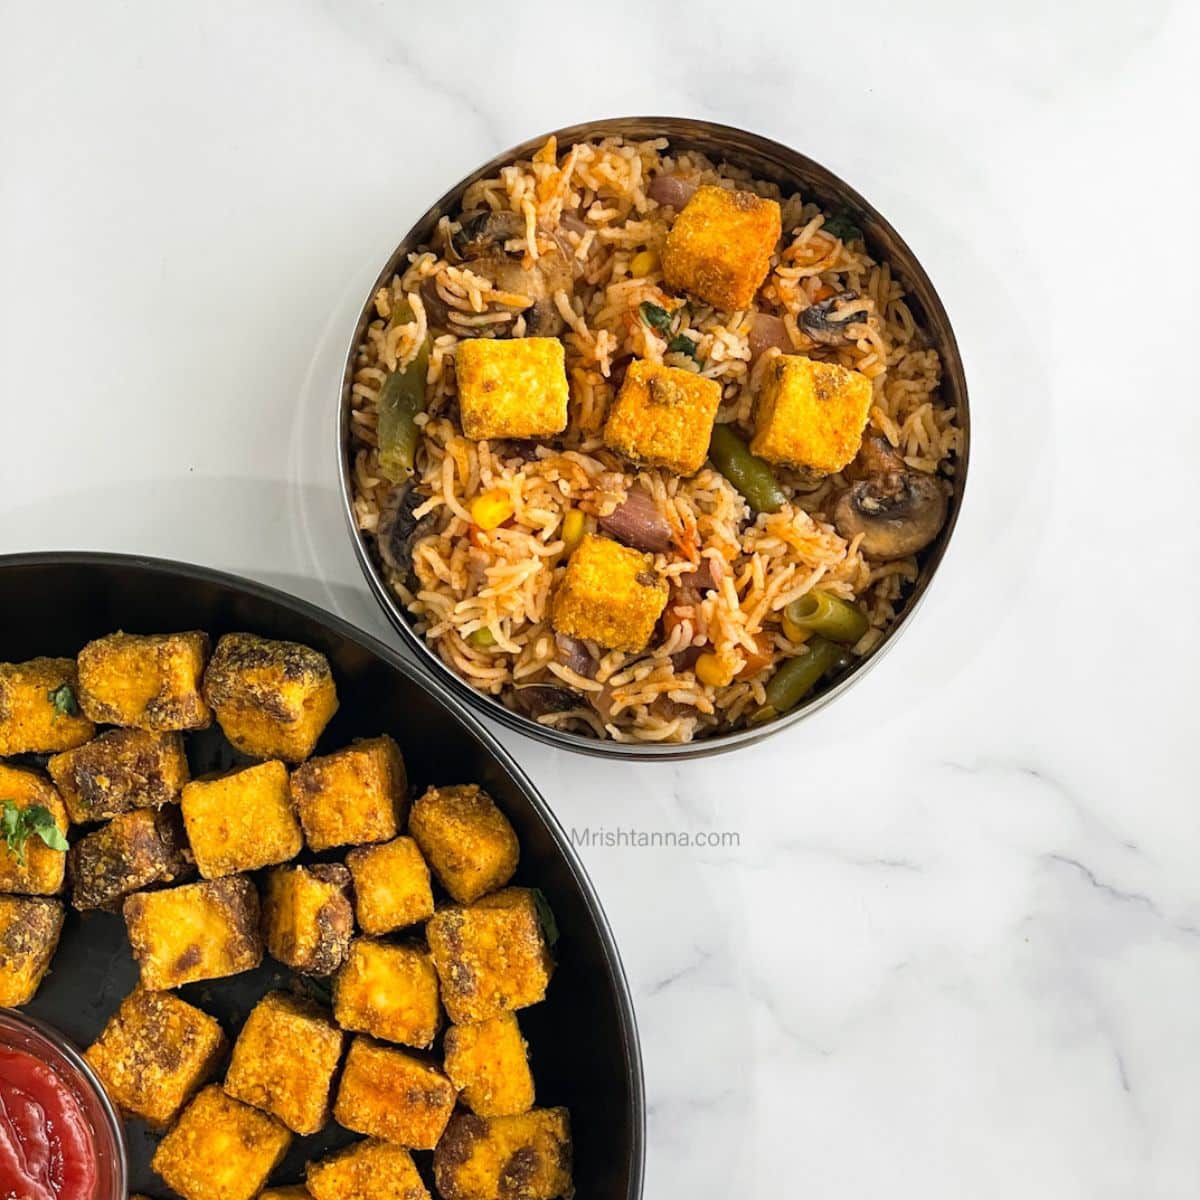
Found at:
[511, 387]
[149, 681]
[391, 885]
[489, 1064]
[198, 931]
[284, 1061]
[291, 1191]
[29, 931]
[720, 246]
[497, 1158]
[31, 811]
[307, 918]
[241, 820]
[663, 417]
[388, 991]
[39, 712]
[810, 414]
[370, 1170]
[389, 1094]
[154, 1053]
[466, 839]
[491, 956]
[120, 770]
[272, 699]
[353, 796]
[221, 1149]
[133, 851]
[610, 594]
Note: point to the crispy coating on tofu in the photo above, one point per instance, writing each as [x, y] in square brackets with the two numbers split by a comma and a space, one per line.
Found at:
[720, 246]
[489, 1064]
[198, 931]
[241, 820]
[307, 919]
[33, 869]
[120, 770]
[810, 414]
[29, 931]
[388, 991]
[370, 1170]
[30, 720]
[391, 885]
[149, 681]
[291, 1191]
[466, 839]
[511, 387]
[491, 956]
[133, 851]
[221, 1149]
[154, 1053]
[272, 699]
[526, 1157]
[610, 594]
[354, 796]
[390, 1094]
[284, 1061]
[663, 417]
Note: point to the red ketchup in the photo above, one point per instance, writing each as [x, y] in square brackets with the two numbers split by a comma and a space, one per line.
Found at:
[46, 1146]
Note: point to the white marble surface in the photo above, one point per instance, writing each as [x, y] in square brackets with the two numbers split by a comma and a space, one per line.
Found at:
[957, 952]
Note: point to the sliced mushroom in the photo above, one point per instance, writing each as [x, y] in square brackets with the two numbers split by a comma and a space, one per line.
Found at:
[399, 529]
[828, 322]
[898, 513]
[537, 699]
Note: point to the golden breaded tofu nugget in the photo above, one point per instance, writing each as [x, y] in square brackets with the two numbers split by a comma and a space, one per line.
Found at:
[810, 414]
[610, 594]
[466, 839]
[149, 681]
[491, 956]
[33, 822]
[284, 1061]
[502, 1158]
[720, 246]
[272, 699]
[221, 1149]
[133, 851]
[291, 1191]
[663, 417]
[353, 796]
[370, 1170]
[307, 919]
[388, 991]
[511, 387]
[154, 1053]
[198, 931]
[391, 885]
[29, 930]
[489, 1064]
[39, 709]
[120, 770]
[389, 1094]
[241, 820]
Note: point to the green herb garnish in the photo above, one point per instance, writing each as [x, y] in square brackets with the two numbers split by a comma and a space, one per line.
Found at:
[682, 344]
[17, 825]
[841, 225]
[655, 317]
[63, 699]
[545, 916]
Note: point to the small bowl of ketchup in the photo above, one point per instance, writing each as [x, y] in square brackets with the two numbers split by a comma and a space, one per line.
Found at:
[60, 1137]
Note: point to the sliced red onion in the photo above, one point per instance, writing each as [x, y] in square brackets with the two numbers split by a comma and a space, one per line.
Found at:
[638, 523]
[672, 190]
[701, 579]
[767, 331]
[685, 659]
[573, 655]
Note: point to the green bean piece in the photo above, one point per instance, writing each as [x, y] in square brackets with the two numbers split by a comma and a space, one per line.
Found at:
[481, 637]
[751, 475]
[400, 399]
[822, 612]
[798, 676]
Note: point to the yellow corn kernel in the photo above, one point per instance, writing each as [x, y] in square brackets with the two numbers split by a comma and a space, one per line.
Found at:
[572, 529]
[712, 671]
[491, 509]
[644, 263]
[793, 632]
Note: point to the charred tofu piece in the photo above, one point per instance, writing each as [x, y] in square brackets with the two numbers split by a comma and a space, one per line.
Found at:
[29, 931]
[241, 820]
[391, 885]
[307, 919]
[33, 830]
[370, 1170]
[148, 681]
[466, 839]
[389, 1094]
[719, 248]
[491, 956]
[810, 414]
[135, 850]
[39, 709]
[511, 387]
[272, 699]
[284, 1061]
[610, 594]
[154, 1053]
[198, 931]
[354, 796]
[388, 991]
[501, 1158]
[489, 1064]
[221, 1149]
